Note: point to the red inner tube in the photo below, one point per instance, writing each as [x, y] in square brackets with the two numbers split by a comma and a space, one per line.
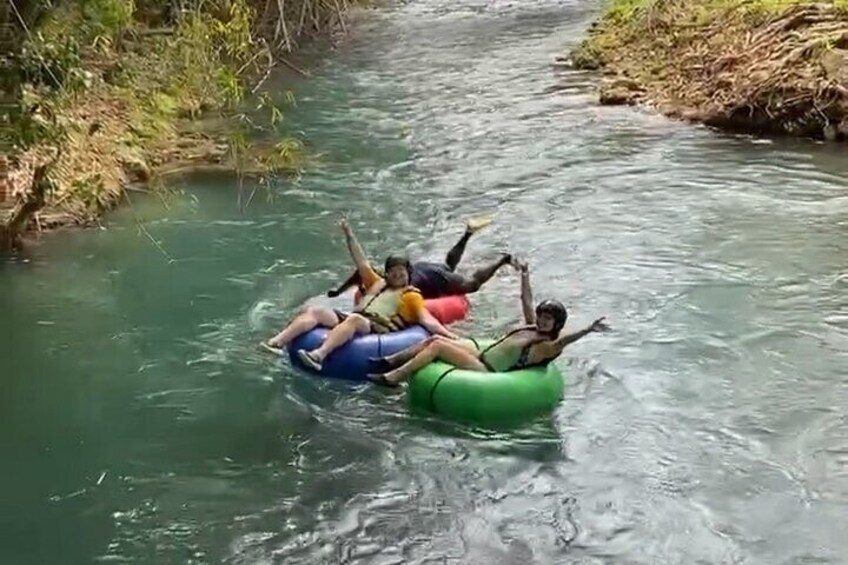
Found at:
[446, 309]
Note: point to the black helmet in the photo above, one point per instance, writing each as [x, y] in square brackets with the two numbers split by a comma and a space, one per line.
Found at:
[395, 260]
[556, 309]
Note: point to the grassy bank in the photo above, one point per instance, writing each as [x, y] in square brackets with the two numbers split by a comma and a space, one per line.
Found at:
[765, 66]
[101, 93]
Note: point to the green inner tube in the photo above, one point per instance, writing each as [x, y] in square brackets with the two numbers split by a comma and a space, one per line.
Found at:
[485, 397]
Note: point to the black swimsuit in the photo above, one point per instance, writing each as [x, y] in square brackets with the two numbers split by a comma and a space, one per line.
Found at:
[435, 280]
[521, 362]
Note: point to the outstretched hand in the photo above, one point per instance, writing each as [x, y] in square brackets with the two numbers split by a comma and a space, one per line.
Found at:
[344, 225]
[522, 266]
[600, 325]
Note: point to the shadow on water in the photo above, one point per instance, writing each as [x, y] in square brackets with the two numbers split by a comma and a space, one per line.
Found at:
[353, 402]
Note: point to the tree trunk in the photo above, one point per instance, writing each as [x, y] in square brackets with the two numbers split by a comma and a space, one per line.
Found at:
[32, 202]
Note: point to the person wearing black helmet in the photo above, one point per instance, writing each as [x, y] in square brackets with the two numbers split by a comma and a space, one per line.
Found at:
[535, 344]
[389, 304]
[441, 279]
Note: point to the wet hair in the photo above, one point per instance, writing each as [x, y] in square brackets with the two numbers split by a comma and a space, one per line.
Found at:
[557, 311]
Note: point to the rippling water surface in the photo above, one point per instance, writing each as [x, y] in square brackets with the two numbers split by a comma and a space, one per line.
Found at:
[138, 423]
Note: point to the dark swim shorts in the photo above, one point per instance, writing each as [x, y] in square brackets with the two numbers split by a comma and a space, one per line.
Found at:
[376, 327]
[435, 280]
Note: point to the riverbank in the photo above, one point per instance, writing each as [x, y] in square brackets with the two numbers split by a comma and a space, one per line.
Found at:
[124, 93]
[758, 66]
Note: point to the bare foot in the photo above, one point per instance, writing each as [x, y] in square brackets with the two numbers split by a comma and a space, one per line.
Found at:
[473, 225]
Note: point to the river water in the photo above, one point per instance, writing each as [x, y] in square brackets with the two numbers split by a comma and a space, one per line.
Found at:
[138, 422]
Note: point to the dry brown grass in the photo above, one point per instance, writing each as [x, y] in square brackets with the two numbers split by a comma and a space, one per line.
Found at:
[779, 67]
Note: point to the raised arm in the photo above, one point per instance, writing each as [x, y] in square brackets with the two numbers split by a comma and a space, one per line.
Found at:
[597, 326]
[527, 295]
[356, 252]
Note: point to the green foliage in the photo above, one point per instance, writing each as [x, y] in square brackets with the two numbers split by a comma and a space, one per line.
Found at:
[203, 63]
[235, 34]
[163, 104]
[84, 57]
[237, 145]
[276, 113]
[106, 20]
[88, 190]
[230, 87]
[624, 10]
[287, 155]
[52, 56]
[52, 61]
[33, 120]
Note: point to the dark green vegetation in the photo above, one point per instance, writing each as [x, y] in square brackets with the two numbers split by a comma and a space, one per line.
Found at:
[100, 93]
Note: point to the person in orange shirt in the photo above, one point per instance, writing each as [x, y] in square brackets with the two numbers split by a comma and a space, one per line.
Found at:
[388, 304]
[435, 279]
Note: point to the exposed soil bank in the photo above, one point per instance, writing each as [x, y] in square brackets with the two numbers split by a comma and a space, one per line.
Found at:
[772, 67]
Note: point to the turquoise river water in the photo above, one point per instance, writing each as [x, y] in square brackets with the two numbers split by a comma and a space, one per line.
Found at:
[140, 424]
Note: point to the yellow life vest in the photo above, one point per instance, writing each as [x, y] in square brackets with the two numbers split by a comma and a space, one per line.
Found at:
[383, 307]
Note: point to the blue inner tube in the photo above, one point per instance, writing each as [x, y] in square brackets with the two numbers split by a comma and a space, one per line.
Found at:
[350, 361]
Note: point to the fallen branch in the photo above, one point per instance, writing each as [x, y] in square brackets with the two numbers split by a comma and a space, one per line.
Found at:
[262, 80]
[293, 67]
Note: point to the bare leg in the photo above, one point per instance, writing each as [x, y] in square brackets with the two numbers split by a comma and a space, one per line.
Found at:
[389, 362]
[385, 364]
[472, 226]
[310, 319]
[442, 350]
[341, 334]
[484, 274]
[454, 256]
[408, 353]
